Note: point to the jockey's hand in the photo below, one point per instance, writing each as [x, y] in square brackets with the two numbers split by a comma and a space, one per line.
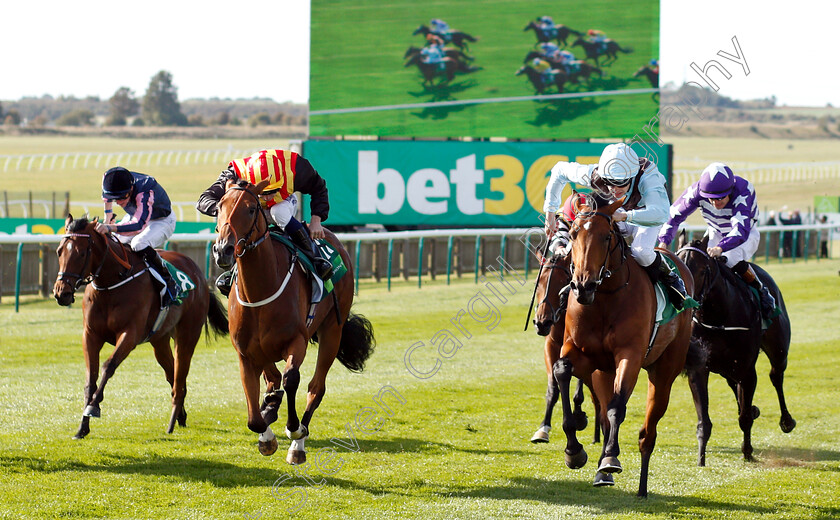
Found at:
[715, 252]
[662, 245]
[550, 224]
[316, 230]
[105, 229]
[620, 215]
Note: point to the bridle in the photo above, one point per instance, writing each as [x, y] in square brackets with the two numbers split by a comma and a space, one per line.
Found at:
[80, 278]
[604, 272]
[243, 244]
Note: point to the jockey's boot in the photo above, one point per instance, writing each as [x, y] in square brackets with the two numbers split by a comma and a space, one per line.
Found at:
[767, 301]
[323, 268]
[659, 271]
[151, 256]
[224, 282]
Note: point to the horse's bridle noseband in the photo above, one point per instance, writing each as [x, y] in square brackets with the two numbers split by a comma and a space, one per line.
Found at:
[605, 273]
[242, 243]
[80, 278]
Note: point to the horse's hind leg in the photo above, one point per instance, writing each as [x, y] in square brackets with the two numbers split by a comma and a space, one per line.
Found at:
[164, 358]
[776, 348]
[186, 339]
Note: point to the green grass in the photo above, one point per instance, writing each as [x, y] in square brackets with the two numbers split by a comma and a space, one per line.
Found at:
[357, 61]
[457, 448]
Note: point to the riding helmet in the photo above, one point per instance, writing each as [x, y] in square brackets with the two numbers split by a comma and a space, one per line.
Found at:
[716, 181]
[618, 163]
[116, 183]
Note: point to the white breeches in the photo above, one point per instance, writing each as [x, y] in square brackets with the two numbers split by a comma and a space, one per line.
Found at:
[283, 212]
[744, 252]
[644, 241]
[155, 234]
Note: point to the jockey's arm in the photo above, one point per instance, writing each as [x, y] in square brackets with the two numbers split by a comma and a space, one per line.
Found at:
[550, 223]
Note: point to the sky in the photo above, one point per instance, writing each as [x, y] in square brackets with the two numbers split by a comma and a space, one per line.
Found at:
[260, 48]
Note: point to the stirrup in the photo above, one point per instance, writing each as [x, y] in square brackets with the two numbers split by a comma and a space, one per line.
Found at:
[224, 282]
[323, 269]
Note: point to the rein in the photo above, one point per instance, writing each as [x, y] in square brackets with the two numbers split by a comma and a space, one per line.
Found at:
[605, 273]
[708, 282]
[243, 242]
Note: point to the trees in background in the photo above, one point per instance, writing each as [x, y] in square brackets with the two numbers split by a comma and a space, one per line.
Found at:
[121, 106]
[160, 104]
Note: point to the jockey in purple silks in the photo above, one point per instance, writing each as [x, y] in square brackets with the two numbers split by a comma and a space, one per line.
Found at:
[728, 205]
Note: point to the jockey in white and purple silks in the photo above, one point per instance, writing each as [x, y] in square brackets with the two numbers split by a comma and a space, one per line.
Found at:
[729, 207]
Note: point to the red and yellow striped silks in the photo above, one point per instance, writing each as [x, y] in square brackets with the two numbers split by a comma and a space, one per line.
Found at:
[278, 166]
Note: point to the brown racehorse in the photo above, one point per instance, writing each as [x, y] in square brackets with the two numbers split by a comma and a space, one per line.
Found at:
[539, 83]
[611, 335]
[609, 48]
[121, 305]
[549, 321]
[268, 310]
[558, 32]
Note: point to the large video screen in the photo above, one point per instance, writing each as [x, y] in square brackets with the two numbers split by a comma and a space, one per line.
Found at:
[519, 69]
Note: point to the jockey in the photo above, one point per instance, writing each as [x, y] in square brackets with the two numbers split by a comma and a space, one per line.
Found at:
[439, 27]
[546, 23]
[287, 172]
[549, 49]
[596, 36]
[728, 205]
[148, 222]
[654, 65]
[568, 61]
[433, 54]
[543, 67]
[621, 174]
[434, 39]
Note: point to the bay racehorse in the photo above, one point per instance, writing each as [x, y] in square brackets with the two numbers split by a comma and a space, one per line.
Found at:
[729, 329]
[459, 39]
[446, 69]
[549, 321]
[578, 70]
[121, 306]
[611, 335]
[538, 81]
[559, 32]
[268, 310]
[609, 48]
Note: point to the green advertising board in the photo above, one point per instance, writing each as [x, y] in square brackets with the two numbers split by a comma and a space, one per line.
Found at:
[825, 204]
[447, 183]
[55, 226]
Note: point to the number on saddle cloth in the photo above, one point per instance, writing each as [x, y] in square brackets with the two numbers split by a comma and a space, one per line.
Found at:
[182, 280]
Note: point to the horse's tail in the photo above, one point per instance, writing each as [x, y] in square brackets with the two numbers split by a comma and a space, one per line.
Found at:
[627, 50]
[357, 342]
[216, 316]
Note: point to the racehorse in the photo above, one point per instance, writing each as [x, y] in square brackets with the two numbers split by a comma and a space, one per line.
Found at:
[558, 32]
[271, 319]
[728, 325]
[610, 335]
[121, 306]
[446, 69]
[549, 321]
[456, 38]
[581, 69]
[455, 54]
[537, 81]
[650, 74]
[609, 48]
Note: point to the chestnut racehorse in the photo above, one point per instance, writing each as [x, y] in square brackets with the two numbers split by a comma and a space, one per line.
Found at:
[268, 310]
[611, 335]
[121, 306]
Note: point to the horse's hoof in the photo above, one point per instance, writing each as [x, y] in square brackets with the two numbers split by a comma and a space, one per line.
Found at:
[268, 447]
[581, 421]
[301, 432]
[80, 435]
[577, 460]
[610, 465]
[541, 435]
[91, 410]
[182, 418]
[787, 424]
[603, 479]
[755, 412]
[296, 457]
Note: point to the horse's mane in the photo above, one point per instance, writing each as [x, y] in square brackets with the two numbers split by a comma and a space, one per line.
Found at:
[79, 224]
[725, 271]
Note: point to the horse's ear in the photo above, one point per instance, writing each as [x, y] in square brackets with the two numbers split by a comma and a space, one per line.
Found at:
[68, 220]
[95, 220]
[705, 241]
[261, 186]
[681, 239]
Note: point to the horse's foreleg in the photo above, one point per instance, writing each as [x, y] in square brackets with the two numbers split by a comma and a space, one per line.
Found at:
[552, 352]
[747, 415]
[575, 455]
[250, 375]
[273, 397]
[580, 416]
[625, 379]
[92, 347]
[698, 382]
[125, 344]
